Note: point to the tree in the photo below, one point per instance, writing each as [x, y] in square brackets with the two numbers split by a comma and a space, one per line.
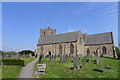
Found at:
[26, 52]
[117, 52]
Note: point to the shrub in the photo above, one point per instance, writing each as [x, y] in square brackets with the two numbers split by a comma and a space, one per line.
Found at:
[12, 61]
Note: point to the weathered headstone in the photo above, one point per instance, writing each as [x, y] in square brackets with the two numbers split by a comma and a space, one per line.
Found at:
[41, 56]
[74, 62]
[61, 58]
[83, 62]
[51, 57]
[64, 58]
[96, 58]
[102, 65]
[54, 57]
[78, 64]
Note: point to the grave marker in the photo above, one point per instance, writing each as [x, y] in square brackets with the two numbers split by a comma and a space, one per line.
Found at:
[78, 64]
[102, 65]
[74, 62]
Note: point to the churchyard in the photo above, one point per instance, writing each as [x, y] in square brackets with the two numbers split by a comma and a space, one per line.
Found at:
[89, 67]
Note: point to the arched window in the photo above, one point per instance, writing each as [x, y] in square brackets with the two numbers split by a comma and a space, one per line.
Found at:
[43, 33]
[96, 52]
[104, 50]
[60, 50]
[71, 49]
[88, 51]
[51, 33]
[49, 53]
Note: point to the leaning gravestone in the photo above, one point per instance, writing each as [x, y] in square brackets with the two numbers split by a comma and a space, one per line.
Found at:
[102, 65]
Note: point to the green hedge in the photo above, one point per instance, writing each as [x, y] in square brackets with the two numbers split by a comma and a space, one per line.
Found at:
[12, 62]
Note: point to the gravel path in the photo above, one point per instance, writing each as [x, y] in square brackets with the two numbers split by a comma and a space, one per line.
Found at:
[27, 70]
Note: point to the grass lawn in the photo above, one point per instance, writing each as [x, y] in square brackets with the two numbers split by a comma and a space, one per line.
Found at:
[28, 60]
[90, 69]
[10, 71]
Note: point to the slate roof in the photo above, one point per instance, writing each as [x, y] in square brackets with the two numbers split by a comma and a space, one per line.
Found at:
[59, 38]
[102, 38]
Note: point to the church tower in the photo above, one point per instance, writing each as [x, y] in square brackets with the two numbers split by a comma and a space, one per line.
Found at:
[47, 32]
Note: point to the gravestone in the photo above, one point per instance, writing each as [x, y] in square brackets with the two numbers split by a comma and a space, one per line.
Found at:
[102, 65]
[61, 58]
[74, 62]
[96, 58]
[41, 56]
[89, 57]
[64, 58]
[110, 66]
[54, 57]
[70, 55]
[30, 55]
[83, 62]
[51, 57]
[78, 64]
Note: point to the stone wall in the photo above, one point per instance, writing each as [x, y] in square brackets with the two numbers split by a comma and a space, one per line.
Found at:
[93, 48]
[54, 48]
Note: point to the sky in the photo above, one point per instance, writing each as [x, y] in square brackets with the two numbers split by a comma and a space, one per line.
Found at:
[22, 21]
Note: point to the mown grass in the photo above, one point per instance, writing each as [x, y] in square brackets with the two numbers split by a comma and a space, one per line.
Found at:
[10, 71]
[13, 71]
[28, 60]
[55, 69]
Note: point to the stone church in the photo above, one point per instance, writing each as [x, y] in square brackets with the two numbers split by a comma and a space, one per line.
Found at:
[75, 43]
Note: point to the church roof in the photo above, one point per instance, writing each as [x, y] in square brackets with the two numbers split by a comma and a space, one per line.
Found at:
[102, 38]
[60, 38]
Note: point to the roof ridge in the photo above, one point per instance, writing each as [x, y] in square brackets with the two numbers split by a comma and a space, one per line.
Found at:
[98, 34]
[68, 32]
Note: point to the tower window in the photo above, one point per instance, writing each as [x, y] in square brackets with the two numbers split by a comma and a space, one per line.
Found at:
[51, 33]
[43, 33]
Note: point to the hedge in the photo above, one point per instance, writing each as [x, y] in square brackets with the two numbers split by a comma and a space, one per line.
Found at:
[12, 62]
